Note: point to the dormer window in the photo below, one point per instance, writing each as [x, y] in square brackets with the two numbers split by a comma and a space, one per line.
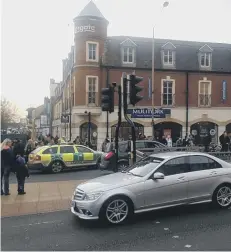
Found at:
[205, 60]
[205, 57]
[168, 57]
[128, 55]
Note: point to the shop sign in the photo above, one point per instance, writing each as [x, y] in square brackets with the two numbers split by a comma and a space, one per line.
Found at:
[85, 28]
[212, 132]
[149, 113]
[65, 119]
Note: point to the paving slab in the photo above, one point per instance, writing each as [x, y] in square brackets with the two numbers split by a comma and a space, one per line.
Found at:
[39, 198]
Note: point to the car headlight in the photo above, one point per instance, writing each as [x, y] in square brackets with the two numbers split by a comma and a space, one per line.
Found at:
[92, 196]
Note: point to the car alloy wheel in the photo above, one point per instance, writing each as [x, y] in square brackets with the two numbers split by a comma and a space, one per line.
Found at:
[224, 196]
[122, 166]
[117, 211]
[56, 167]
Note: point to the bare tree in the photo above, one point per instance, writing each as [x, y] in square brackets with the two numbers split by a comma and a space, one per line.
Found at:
[9, 113]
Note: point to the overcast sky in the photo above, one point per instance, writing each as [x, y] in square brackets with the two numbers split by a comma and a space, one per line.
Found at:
[36, 36]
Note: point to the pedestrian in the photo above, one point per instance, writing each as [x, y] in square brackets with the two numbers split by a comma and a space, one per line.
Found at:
[7, 164]
[21, 172]
[29, 148]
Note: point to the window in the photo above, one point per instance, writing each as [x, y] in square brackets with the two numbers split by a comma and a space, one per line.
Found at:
[52, 150]
[128, 55]
[92, 51]
[83, 149]
[174, 166]
[168, 90]
[67, 149]
[200, 163]
[140, 145]
[205, 59]
[204, 93]
[92, 89]
[123, 147]
[168, 57]
[152, 145]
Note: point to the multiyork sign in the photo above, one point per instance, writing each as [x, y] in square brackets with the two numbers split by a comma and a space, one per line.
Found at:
[85, 28]
[149, 113]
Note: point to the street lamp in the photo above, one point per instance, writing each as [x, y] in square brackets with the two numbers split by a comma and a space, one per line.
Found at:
[88, 129]
[165, 4]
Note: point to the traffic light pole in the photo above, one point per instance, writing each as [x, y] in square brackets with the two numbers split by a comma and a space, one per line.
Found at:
[125, 105]
[118, 127]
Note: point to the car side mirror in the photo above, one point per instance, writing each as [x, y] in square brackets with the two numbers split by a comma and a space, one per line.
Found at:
[158, 175]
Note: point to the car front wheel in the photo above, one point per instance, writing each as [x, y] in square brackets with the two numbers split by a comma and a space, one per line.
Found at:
[117, 210]
[56, 167]
[222, 196]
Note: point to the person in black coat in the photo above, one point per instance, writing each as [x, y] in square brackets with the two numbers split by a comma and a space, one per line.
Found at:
[21, 172]
[7, 165]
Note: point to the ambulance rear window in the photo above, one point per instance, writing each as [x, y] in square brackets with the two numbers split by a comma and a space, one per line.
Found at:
[37, 150]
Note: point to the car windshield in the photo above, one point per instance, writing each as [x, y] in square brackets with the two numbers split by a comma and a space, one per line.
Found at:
[37, 149]
[144, 166]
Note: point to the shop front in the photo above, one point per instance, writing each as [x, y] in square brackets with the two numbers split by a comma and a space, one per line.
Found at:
[125, 131]
[172, 129]
[204, 132]
[93, 134]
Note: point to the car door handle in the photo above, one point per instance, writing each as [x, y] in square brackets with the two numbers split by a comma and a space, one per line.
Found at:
[181, 178]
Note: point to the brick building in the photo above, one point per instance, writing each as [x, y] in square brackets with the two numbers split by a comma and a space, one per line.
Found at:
[192, 84]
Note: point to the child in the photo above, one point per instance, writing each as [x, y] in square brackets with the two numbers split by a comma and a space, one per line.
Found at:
[21, 172]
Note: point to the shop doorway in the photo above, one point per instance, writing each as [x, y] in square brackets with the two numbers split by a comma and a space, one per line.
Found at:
[93, 134]
[168, 128]
[126, 131]
[228, 128]
[204, 132]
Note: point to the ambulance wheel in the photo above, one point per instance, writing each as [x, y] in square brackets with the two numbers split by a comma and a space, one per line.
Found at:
[56, 167]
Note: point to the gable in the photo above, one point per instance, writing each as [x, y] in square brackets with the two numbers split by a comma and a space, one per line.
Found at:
[168, 46]
[205, 48]
[128, 42]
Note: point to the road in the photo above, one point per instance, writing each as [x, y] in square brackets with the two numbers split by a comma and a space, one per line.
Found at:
[186, 228]
[77, 174]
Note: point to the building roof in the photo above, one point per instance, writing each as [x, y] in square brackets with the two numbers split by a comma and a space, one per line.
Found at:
[91, 10]
[186, 53]
[39, 111]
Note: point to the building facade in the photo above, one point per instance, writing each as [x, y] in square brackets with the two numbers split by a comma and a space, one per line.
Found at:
[191, 92]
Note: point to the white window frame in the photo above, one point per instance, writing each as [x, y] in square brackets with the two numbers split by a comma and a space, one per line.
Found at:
[173, 91]
[169, 53]
[209, 91]
[133, 55]
[96, 52]
[96, 90]
[74, 51]
[74, 89]
[206, 55]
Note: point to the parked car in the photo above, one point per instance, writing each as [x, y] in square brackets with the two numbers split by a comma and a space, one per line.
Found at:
[56, 158]
[108, 159]
[158, 181]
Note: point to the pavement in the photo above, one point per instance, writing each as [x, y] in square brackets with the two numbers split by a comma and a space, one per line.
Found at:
[45, 192]
[184, 228]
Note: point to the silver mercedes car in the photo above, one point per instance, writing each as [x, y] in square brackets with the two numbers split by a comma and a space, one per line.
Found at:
[157, 181]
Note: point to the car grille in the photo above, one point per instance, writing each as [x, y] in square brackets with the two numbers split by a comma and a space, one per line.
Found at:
[79, 194]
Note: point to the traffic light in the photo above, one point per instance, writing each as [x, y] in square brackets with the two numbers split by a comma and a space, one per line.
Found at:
[135, 89]
[107, 99]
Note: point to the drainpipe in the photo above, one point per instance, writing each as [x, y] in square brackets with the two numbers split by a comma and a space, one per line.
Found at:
[107, 84]
[187, 103]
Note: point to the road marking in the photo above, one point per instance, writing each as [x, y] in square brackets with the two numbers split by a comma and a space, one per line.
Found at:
[175, 237]
[157, 222]
[188, 246]
[39, 223]
[166, 229]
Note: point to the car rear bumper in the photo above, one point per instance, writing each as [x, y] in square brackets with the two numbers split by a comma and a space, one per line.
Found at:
[36, 167]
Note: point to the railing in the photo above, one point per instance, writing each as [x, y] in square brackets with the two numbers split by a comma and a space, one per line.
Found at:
[204, 100]
[226, 156]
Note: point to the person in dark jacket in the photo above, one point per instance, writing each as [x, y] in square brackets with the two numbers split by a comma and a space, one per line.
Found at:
[21, 172]
[18, 147]
[7, 164]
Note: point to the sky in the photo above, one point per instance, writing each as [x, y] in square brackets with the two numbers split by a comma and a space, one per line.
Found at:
[37, 34]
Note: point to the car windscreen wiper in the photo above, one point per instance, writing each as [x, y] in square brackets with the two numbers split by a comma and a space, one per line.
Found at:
[133, 174]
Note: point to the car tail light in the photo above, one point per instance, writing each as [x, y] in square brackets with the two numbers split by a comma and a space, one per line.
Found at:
[108, 155]
[37, 158]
